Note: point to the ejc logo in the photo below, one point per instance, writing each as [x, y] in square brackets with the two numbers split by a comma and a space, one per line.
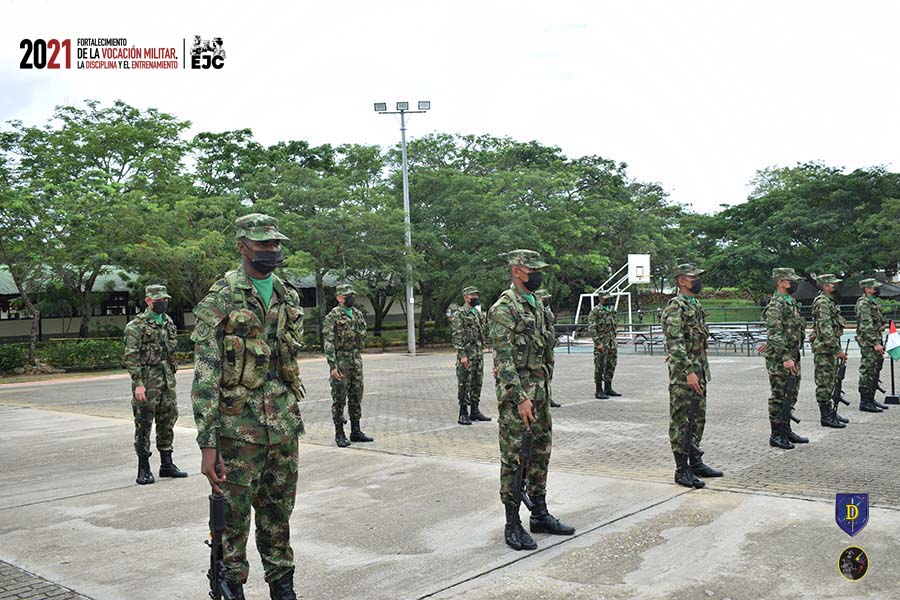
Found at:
[851, 511]
[207, 54]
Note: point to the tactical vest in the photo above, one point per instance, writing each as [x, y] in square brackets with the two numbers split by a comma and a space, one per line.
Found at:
[528, 337]
[155, 344]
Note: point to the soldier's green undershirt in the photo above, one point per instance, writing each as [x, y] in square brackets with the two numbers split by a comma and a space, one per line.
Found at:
[264, 289]
[787, 297]
[530, 298]
[156, 317]
[690, 299]
[349, 311]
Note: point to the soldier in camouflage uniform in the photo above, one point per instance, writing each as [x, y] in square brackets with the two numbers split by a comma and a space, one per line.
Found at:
[344, 330]
[785, 331]
[684, 323]
[247, 383]
[869, 329]
[828, 326]
[550, 339]
[468, 328]
[602, 322]
[516, 328]
[150, 359]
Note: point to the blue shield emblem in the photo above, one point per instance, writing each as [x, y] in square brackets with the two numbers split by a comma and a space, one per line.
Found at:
[851, 511]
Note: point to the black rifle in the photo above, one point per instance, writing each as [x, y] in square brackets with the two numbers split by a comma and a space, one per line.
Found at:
[464, 395]
[688, 439]
[789, 387]
[218, 589]
[144, 431]
[876, 379]
[519, 493]
[837, 395]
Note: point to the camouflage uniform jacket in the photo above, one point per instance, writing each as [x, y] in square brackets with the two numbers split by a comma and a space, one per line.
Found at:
[344, 336]
[245, 362]
[150, 350]
[785, 328]
[687, 338]
[869, 322]
[468, 329]
[518, 339]
[828, 325]
[602, 323]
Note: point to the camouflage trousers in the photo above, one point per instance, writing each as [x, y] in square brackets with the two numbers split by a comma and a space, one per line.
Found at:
[162, 408]
[605, 363]
[777, 384]
[680, 398]
[264, 478]
[511, 429]
[348, 391]
[469, 380]
[867, 364]
[826, 366]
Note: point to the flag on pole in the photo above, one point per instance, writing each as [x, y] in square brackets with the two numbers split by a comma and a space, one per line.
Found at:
[893, 343]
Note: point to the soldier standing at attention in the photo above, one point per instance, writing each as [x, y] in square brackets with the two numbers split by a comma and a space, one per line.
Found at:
[344, 330]
[468, 330]
[247, 385]
[869, 329]
[150, 340]
[828, 326]
[550, 341]
[602, 325]
[684, 323]
[516, 326]
[785, 331]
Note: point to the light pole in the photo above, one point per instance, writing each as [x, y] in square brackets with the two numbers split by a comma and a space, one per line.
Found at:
[403, 110]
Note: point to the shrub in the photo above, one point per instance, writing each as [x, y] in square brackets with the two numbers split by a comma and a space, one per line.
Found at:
[87, 354]
[12, 356]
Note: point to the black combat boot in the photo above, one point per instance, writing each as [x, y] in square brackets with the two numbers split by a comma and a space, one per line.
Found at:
[683, 474]
[554, 403]
[867, 402]
[356, 434]
[476, 415]
[339, 437]
[777, 439]
[609, 391]
[166, 467]
[463, 415]
[793, 437]
[697, 465]
[828, 417]
[144, 475]
[600, 395]
[283, 589]
[839, 418]
[879, 404]
[542, 521]
[514, 534]
[236, 589]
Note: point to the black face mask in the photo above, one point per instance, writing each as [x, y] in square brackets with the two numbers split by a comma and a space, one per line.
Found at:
[535, 279]
[266, 261]
[160, 307]
[349, 301]
[793, 288]
[473, 302]
[696, 286]
[877, 292]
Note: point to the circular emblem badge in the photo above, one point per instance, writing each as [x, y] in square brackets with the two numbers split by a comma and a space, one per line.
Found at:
[853, 563]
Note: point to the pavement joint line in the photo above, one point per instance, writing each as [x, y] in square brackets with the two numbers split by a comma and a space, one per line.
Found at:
[61, 498]
[751, 492]
[547, 547]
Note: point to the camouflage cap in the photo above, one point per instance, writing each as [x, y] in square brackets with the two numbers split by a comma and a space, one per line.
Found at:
[156, 292]
[827, 278]
[605, 295]
[466, 291]
[870, 282]
[689, 269]
[258, 227]
[784, 273]
[543, 294]
[345, 289]
[526, 258]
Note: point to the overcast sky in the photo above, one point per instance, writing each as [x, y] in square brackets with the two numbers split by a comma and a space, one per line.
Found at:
[694, 95]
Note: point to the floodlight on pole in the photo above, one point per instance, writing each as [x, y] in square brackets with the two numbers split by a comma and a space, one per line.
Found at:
[403, 110]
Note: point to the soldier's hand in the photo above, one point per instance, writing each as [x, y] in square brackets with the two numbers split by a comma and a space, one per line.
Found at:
[762, 348]
[601, 347]
[842, 355]
[464, 361]
[336, 375]
[694, 383]
[140, 394]
[791, 366]
[207, 467]
[526, 412]
[879, 348]
[496, 370]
